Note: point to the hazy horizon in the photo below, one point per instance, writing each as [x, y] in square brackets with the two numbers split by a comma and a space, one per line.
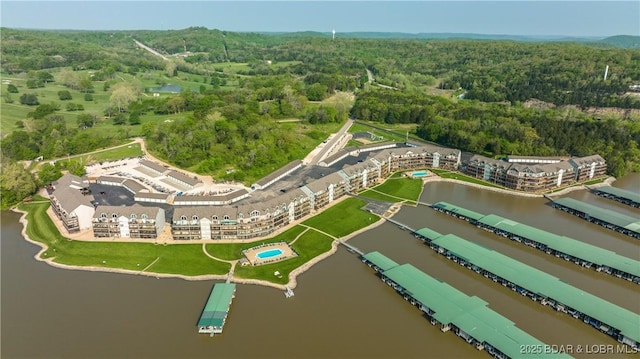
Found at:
[585, 19]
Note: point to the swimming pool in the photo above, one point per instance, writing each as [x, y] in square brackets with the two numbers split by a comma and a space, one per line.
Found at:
[420, 174]
[269, 253]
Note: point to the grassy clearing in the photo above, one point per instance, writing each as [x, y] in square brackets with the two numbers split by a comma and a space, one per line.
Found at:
[379, 196]
[117, 153]
[234, 250]
[182, 259]
[343, 218]
[461, 177]
[407, 188]
[308, 246]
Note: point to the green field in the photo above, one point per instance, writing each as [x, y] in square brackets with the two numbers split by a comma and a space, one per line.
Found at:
[185, 259]
[343, 218]
[112, 154]
[308, 246]
[233, 251]
[461, 177]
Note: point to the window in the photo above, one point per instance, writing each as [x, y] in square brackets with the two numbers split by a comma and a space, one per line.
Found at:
[184, 218]
[240, 215]
[195, 218]
[226, 217]
[144, 216]
[103, 215]
[214, 217]
[134, 216]
[255, 213]
[114, 216]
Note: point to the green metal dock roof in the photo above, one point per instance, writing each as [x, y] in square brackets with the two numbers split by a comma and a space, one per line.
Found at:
[217, 306]
[383, 262]
[618, 219]
[458, 210]
[564, 244]
[428, 233]
[619, 192]
[536, 281]
[470, 314]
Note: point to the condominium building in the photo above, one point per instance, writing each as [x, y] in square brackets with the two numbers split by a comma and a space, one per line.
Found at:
[128, 222]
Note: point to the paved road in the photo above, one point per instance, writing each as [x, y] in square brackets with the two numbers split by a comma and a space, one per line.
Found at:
[331, 143]
[150, 49]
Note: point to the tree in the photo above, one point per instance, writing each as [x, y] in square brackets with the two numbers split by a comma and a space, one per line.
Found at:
[88, 97]
[64, 95]
[32, 83]
[29, 99]
[49, 173]
[16, 183]
[45, 76]
[134, 118]
[7, 97]
[122, 95]
[86, 120]
[11, 88]
[119, 119]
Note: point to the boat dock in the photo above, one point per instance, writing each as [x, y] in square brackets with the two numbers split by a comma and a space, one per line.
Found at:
[350, 248]
[467, 317]
[606, 218]
[629, 198]
[615, 321]
[580, 253]
[216, 309]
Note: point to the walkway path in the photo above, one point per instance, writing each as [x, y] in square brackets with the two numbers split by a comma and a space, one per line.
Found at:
[150, 49]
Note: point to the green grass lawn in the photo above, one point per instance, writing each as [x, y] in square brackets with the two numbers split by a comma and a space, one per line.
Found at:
[378, 196]
[185, 259]
[233, 251]
[461, 177]
[343, 218]
[131, 150]
[308, 246]
[407, 188]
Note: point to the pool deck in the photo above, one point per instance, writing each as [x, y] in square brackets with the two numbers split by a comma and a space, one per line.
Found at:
[251, 253]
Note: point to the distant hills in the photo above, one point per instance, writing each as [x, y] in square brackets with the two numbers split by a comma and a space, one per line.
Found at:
[622, 41]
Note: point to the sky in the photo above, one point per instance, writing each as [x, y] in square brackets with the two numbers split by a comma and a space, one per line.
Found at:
[516, 17]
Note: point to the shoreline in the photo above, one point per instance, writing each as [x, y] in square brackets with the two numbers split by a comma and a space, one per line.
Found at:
[292, 283]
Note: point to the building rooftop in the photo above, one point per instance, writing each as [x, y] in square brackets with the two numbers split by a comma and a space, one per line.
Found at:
[618, 192]
[154, 166]
[470, 314]
[381, 261]
[68, 192]
[127, 211]
[183, 178]
[541, 283]
[606, 215]
[564, 244]
[275, 174]
[217, 306]
[428, 233]
[458, 210]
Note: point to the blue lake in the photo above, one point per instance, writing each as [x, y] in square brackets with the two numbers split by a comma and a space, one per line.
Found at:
[165, 88]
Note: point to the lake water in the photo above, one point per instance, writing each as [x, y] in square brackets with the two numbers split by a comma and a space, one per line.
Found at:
[340, 309]
[166, 88]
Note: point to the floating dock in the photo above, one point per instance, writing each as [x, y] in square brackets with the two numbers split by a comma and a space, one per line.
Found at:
[216, 309]
[617, 322]
[629, 198]
[609, 219]
[567, 248]
[468, 317]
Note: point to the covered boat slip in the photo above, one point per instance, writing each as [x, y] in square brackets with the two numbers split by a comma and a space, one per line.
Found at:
[468, 317]
[590, 254]
[618, 322]
[609, 219]
[618, 194]
[568, 248]
[216, 309]
[456, 211]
